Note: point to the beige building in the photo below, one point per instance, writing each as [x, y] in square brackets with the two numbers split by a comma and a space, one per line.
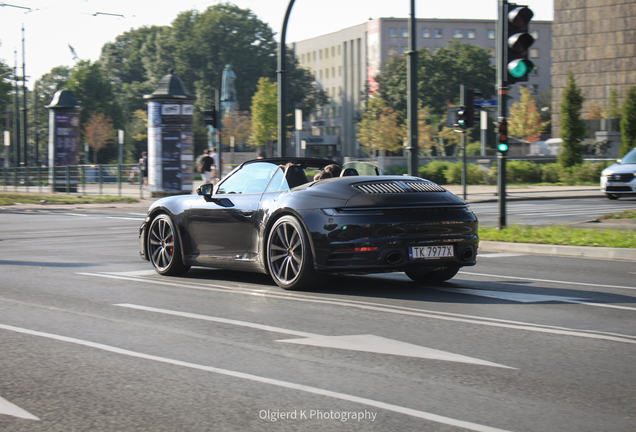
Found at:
[345, 62]
[596, 40]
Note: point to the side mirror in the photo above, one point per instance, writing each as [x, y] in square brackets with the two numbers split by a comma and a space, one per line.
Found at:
[205, 189]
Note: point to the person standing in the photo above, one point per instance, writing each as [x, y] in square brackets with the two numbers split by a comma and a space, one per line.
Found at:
[143, 161]
[205, 166]
[215, 165]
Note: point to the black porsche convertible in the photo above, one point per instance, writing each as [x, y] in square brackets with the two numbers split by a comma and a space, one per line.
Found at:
[271, 216]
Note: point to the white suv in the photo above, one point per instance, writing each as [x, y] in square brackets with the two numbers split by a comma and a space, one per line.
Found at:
[619, 180]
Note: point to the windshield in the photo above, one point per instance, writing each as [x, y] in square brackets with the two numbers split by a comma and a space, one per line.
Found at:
[364, 169]
[630, 158]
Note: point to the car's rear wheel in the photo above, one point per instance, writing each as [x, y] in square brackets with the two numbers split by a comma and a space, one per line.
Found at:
[164, 249]
[289, 257]
[432, 276]
[612, 196]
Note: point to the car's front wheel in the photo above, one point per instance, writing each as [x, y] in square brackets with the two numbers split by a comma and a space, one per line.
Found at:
[432, 276]
[164, 249]
[289, 257]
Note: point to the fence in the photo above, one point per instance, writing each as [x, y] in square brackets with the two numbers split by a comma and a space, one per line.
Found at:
[114, 179]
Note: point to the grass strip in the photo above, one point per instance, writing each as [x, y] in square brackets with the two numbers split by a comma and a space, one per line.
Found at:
[14, 198]
[561, 235]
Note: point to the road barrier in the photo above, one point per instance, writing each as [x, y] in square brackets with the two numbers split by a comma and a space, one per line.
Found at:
[103, 179]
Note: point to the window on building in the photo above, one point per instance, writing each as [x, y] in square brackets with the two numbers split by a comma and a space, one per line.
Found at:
[470, 34]
[393, 50]
[534, 52]
[404, 32]
[302, 58]
[535, 88]
[393, 32]
[535, 34]
[338, 49]
[458, 33]
[426, 33]
[333, 72]
[535, 71]
[320, 54]
[403, 50]
[333, 51]
[320, 73]
[327, 73]
[438, 33]
[314, 55]
[339, 70]
[490, 34]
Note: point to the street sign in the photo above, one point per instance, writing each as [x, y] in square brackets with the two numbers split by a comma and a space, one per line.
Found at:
[486, 103]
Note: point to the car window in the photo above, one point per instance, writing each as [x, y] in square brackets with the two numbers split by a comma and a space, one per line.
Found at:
[251, 178]
[278, 182]
[629, 158]
[364, 169]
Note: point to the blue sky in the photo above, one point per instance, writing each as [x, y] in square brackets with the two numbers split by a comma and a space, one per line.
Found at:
[52, 25]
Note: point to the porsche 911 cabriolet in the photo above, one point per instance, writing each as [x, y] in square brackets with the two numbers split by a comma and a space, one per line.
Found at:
[271, 216]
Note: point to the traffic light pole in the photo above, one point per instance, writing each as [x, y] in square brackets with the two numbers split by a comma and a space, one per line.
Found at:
[412, 95]
[502, 94]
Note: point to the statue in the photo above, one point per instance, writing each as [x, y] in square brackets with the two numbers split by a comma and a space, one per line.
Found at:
[229, 101]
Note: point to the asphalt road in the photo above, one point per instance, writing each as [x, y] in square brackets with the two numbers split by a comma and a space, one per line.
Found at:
[91, 339]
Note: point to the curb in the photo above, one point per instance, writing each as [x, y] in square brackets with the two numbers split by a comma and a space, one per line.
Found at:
[604, 253]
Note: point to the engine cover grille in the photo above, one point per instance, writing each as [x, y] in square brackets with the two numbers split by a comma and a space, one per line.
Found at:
[398, 187]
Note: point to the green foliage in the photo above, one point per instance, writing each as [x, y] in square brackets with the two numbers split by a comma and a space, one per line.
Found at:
[6, 74]
[559, 235]
[628, 122]
[474, 174]
[572, 127]
[265, 114]
[473, 149]
[439, 76]
[613, 107]
[435, 171]
[525, 120]
[380, 127]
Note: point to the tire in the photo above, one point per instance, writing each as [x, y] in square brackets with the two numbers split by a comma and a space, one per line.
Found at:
[164, 249]
[612, 196]
[289, 257]
[441, 274]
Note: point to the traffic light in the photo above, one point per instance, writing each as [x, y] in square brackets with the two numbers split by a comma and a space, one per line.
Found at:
[211, 118]
[517, 41]
[462, 118]
[502, 136]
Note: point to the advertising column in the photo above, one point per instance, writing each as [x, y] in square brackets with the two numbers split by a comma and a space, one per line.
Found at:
[170, 138]
[64, 141]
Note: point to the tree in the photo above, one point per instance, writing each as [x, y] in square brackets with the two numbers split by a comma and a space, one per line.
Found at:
[380, 128]
[595, 111]
[425, 141]
[439, 76]
[236, 124]
[572, 127]
[613, 107]
[98, 132]
[525, 121]
[265, 114]
[628, 122]
[6, 85]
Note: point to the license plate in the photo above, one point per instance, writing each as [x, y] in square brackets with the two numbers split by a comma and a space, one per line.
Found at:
[431, 252]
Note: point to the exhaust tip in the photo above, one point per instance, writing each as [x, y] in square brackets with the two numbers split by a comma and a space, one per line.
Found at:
[394, 258]
[468, 254]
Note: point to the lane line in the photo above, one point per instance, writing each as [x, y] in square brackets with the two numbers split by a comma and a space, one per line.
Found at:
[549, 281]
[445, 316]
[7, 408]
[264, 380]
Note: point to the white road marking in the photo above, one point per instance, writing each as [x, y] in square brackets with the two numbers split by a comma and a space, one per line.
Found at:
[7, 408]
[512, 296]
[402, 310]
[548, 280]
[367, 343]
[498, 255]
[125, 218]
[264, 380]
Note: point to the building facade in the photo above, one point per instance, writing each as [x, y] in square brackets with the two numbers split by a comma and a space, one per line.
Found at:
[344, 64]
[596, 40]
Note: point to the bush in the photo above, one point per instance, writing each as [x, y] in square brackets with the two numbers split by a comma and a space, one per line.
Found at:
[551, 173]
[523, 172]
[434, 171]
[474, 174]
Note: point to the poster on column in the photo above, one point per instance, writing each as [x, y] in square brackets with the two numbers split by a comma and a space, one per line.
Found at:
[67, 139]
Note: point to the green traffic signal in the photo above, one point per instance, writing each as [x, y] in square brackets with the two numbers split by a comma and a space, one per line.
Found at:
[502, 147]
[520, 68]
